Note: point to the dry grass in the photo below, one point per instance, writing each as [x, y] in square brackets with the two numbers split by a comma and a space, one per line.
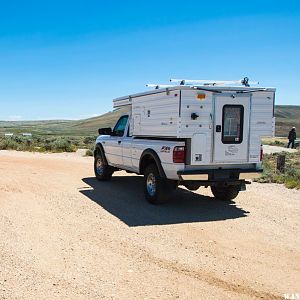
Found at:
[290, 178]
[275, 141]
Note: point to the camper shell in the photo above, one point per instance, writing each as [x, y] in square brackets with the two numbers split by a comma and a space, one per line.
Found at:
[207, 119]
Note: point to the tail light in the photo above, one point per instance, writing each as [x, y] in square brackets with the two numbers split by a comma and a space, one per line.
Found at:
[261, 153]
[179, 154]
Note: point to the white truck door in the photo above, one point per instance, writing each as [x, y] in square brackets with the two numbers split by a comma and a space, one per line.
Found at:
[231, 128]
[113, 145]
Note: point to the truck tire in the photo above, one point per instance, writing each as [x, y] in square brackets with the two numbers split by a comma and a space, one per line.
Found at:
[102, 170]
[157, 190]
[225, 193]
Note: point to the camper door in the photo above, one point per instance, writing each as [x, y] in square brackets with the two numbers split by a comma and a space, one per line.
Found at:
[231, 128]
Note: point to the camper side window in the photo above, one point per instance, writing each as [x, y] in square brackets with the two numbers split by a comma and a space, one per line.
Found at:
[233, 119]
[120, 126]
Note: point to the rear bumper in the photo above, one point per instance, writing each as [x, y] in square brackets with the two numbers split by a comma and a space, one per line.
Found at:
[219, 175]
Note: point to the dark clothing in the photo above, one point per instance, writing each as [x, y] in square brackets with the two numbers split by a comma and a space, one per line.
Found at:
[292, 137]
[291, 142]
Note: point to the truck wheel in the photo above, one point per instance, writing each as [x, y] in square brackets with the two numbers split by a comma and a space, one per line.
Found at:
[102, 170]
[225, 193]
[157, 189]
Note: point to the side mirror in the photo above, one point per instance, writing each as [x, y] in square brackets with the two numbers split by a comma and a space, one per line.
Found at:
[105, 131]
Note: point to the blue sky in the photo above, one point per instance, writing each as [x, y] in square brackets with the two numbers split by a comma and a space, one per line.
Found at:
[69, 59]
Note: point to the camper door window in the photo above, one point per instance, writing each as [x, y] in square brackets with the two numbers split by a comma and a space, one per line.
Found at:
[233, 119]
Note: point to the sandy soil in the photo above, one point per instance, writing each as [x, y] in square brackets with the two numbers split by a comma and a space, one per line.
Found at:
[66, 236]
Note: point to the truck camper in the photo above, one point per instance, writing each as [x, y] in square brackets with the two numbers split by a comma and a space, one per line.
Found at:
[192, 133]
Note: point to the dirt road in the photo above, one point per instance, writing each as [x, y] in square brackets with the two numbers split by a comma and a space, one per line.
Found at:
[66, 236]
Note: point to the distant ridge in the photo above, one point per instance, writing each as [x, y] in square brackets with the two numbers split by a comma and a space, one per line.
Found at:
[286, 117]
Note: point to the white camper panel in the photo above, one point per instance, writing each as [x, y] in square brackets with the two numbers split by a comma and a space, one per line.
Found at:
[261, 113]
[156, 114]
[199, 129]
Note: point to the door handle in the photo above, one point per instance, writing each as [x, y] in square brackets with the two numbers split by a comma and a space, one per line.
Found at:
[218, 128]
[119, 142]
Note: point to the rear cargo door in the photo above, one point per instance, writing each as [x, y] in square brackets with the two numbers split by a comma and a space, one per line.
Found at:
[231, 128]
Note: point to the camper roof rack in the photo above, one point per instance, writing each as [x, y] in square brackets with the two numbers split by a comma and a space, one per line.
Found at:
[201, 82]
[159, 86]
[245, 81]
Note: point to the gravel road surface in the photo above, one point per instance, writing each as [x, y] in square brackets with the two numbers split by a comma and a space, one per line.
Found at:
[66, 236]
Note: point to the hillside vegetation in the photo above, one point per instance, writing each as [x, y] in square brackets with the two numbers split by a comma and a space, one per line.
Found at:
[286, 117]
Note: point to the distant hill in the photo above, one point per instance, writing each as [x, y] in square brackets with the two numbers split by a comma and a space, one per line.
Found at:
[92, 124]
[286, 117]
[50, 127]
[62, 127]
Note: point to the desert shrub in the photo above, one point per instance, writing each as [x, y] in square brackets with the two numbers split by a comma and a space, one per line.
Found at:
[62, 145]
[89, 152]
[76, 143]
[278, 143]
[8, 143]
[38, 143]
[89, 140]
[292, 183]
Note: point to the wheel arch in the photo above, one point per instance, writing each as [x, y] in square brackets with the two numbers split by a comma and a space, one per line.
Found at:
[150, 156]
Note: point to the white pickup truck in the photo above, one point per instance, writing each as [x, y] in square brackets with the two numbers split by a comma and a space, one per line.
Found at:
[188, 135]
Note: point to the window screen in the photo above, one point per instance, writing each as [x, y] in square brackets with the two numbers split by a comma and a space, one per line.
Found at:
[233, 119]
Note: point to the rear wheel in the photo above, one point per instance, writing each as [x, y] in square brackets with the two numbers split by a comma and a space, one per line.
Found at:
[157, 189]
[226, 193]
[102, 170]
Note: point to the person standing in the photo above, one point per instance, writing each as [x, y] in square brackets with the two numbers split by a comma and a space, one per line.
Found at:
[292, 137]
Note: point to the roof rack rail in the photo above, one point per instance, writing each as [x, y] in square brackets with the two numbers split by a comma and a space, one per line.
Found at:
[245, 81]
[159, 86]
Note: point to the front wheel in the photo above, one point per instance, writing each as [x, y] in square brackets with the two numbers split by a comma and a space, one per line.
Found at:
[226, 193]
[102, 170]
[157, 189]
